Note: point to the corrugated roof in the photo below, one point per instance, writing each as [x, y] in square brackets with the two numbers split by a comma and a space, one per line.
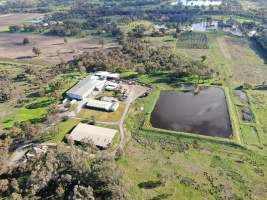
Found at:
[107, 74]
[85, 85]
[100, 136]
[99, 104]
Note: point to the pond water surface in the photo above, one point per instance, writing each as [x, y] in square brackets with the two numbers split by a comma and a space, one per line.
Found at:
[205, 113]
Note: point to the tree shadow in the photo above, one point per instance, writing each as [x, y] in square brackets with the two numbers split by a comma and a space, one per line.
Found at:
[56, 44]
[169, 78]
[40, 104]
[258, 49]
[24, 57]
[150, 184]
[7, 121]
[161, 196]
[38, 120]
[131, 76]
[261, 87]
[33, 95]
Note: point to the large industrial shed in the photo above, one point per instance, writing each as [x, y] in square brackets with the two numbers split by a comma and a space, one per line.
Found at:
[101, 137]
[86, 87]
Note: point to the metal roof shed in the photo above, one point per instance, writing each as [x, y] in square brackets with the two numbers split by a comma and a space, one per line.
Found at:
[101, 137]
[86, 87]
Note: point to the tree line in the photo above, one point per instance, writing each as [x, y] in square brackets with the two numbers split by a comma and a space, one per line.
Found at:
[137, 54]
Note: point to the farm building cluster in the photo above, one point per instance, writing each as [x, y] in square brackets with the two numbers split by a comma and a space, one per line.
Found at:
[96, 93]
[92, 85]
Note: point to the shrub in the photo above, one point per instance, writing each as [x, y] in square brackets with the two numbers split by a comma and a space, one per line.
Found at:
[150, 184]
[65, 118]
[25, 41]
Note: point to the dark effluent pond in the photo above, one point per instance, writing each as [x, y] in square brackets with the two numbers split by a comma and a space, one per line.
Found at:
[205, 113]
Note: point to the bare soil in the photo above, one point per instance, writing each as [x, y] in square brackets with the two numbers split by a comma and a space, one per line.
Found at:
[15, 19]
[53, 49]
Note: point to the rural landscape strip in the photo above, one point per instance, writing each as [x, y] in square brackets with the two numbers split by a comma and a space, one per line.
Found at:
[121, 100]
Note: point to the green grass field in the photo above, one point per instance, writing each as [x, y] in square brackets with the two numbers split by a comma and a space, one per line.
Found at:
[59, 131]
[165, 165]
[188, 168]
[26, 113]
[181, 167]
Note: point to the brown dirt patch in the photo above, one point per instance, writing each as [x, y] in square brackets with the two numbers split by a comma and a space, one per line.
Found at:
[53, 48]
[15, 19]
[224, 48]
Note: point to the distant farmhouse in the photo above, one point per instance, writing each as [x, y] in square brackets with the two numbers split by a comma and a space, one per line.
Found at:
[101, 137]
[198, 2]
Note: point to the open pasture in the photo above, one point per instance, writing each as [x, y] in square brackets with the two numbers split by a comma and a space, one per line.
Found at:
[237, 58]
[53, 49]
[244, 60]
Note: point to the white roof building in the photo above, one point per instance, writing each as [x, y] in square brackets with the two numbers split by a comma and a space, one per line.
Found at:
[108, 75]
[102, 105]
[111, 86]
[101, 137]
[198, 2]
[160, 27]
[86, 87]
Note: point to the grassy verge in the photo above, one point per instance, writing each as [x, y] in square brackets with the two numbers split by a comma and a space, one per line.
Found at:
[115, 142]
[233, 115]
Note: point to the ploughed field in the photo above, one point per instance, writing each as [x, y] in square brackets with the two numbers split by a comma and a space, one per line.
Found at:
[205, 113]
[15, 19]
[53, 49]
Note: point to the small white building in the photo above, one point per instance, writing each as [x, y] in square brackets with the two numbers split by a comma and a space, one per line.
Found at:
[108, 75]
[198, 2]
[158, 27]
[110, 86]
[102, 105]
[86, 87]
[101, 137]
